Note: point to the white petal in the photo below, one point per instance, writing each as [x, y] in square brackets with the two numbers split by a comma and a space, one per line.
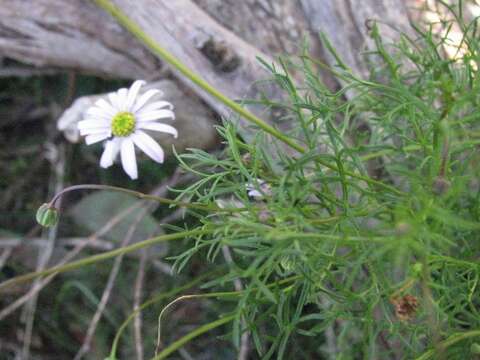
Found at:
[132, 93]
[155, 126]
[93, 124]
[106, 107]
[155, 115]
[255, 194]
[155, 106]
[122, 99]
[112, 148]
[142, 100]
[113, 97]
[97, 113]
[92, 139]
[129, 162]
[91, 131]
[148, 146]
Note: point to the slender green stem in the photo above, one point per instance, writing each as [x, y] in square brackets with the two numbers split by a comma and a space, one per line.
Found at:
[281, 235]
[197, 332]
[141, 195]
[451, 340]
[162, 53]
[367, 179]
[100, 257]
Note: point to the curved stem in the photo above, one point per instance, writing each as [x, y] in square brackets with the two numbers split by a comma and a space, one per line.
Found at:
[150, 302]
[162, 53]
[185, 297]
[140, 195]
[193, 334]
[101, 257]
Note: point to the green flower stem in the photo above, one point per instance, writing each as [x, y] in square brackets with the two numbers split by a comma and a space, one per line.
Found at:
[197, 332]
[100, 257]
[162, 53]
[451, 340]
[345, 239]
[140, 195]
[367, 179]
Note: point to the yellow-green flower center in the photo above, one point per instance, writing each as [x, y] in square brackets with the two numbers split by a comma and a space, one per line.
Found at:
[123, 124]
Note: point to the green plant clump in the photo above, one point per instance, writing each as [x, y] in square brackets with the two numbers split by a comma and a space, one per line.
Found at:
[368, 240]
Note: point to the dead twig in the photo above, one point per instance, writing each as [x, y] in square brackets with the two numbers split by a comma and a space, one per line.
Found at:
[85, 348]
[137, 300]
[147, 207]
[57, 158]
[4, 257]
[69, 256]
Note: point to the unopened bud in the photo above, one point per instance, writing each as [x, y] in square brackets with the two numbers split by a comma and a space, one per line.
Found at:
[47, 215]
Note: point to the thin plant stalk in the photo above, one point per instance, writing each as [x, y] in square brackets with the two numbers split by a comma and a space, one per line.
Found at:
[193, 334]
[101, 257]
[139, 195]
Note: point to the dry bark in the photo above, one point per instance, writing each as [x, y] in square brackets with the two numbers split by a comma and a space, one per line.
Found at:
[346, 24]
[274, 26]
[71, 34]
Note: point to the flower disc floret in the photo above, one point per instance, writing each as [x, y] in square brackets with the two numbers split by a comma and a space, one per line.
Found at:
[123, 124]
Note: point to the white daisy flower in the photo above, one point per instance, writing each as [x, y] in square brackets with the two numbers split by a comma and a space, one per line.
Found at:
[122, 121]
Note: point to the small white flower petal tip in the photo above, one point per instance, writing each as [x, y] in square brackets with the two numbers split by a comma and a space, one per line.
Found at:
[258, 190]
[122, 120]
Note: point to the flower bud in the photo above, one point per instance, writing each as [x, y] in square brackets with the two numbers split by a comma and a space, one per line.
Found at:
[47, 215]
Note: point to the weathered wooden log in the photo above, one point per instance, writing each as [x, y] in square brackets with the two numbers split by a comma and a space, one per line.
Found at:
[72, 34]
[346, 25]
[75, 34]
